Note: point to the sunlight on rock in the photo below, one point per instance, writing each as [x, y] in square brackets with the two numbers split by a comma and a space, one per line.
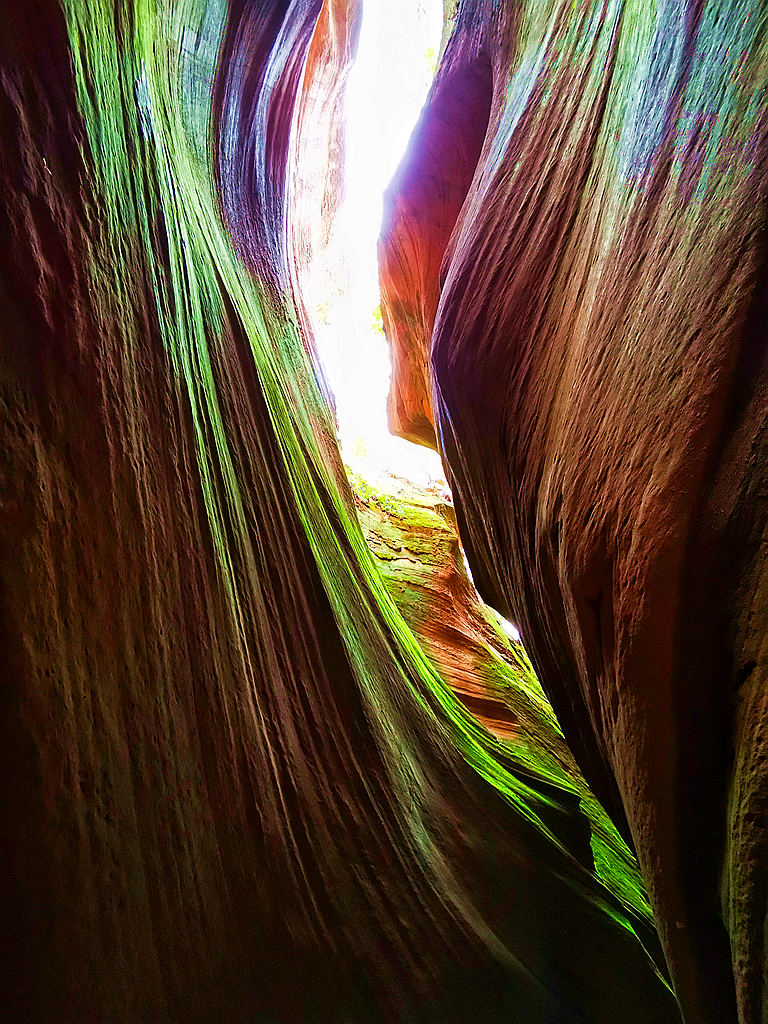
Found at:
[511, 630]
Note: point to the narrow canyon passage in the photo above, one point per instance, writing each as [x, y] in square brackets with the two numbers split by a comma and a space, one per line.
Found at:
[265, 754]
[388, 82]
[401, 496]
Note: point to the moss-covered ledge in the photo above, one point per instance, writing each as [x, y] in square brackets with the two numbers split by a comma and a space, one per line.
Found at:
[412, 532]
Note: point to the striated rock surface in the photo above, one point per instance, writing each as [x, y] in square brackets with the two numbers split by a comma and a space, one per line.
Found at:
[599, 383]
[232, 787]
[412, 534]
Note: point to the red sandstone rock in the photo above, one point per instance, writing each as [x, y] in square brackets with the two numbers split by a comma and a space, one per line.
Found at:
[600, 387]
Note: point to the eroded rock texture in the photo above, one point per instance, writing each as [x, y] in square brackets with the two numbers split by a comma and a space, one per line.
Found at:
[412, 534]
[597, 377]
[232, 787]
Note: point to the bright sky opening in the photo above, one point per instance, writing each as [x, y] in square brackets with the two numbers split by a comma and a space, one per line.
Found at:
[399, 43]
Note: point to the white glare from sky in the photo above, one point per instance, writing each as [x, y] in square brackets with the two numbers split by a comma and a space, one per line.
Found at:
[399, 43]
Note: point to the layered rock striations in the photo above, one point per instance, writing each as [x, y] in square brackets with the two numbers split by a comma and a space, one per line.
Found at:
[232, 786]
[597, 378]
[412, 534]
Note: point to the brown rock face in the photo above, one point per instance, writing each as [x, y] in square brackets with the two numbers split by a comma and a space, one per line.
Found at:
[232, 787]
[421, 210]
[412, 534]
[599, 384]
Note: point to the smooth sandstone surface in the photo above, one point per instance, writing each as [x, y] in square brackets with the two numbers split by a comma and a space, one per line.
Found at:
[587, 340]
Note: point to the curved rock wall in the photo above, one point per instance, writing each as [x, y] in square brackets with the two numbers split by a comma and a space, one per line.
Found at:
[231, 785]
[599, 384]
[421, 207]
[412, 534]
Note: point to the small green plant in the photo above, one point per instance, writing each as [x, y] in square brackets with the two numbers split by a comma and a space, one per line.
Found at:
[377, 320]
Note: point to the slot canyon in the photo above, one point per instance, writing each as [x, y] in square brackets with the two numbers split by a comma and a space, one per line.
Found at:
[279, 743]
